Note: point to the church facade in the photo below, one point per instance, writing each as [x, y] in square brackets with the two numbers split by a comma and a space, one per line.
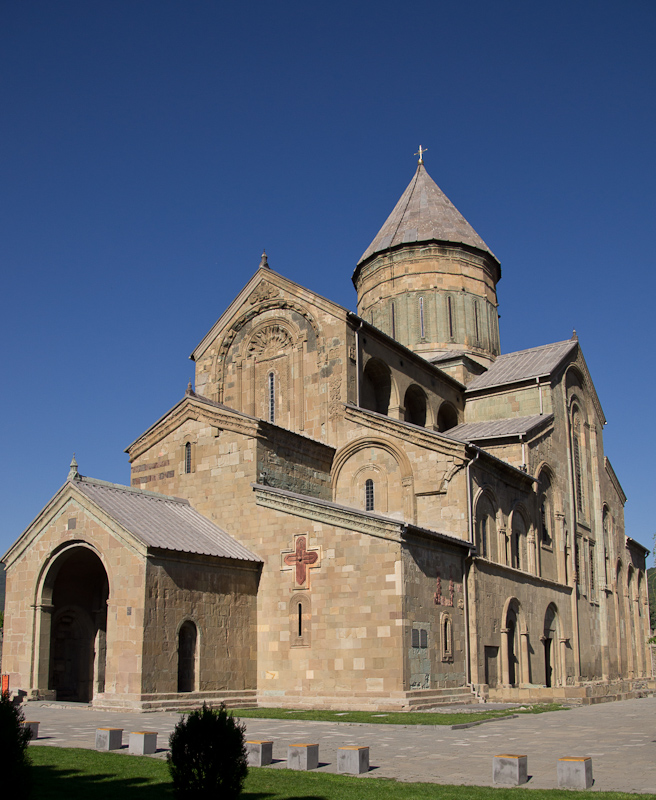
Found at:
[372, 510]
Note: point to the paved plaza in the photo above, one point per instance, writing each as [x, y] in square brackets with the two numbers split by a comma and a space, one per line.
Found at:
[620, 737]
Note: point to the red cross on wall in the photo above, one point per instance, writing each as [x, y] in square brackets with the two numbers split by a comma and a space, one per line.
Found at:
[301, 559]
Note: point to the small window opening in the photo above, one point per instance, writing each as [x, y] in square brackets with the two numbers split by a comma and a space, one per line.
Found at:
[272, 397]
[592, 570]
[447, 639]
[421, 317]
[393, 323]
[449, 310]
[188, 458]
[478, 337]
[368, 495]
[300, 620]
[423, 638]
[484, 537]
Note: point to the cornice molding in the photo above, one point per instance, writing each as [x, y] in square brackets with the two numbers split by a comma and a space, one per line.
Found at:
[330, 514]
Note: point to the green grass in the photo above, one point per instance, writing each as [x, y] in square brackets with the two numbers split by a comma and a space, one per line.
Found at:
[73, 774]
[393, 717]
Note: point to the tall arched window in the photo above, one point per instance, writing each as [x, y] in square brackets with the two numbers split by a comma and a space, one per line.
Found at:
[187, 457]
[546, 508]
[369, 495]
[271, 390]
[578, 470]
[476, 323]
[447, 638]
[422, 332]
[449, 313]
[606, 529]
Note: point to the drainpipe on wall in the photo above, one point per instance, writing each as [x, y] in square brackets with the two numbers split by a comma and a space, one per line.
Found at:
[465, 570]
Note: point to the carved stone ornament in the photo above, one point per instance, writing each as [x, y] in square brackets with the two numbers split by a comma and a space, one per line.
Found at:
[269, 341]
[264, 291]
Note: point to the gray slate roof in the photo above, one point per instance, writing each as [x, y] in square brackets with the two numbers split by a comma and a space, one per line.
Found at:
[164, 522]
[497, 428]
[524, 364]
[424, 213]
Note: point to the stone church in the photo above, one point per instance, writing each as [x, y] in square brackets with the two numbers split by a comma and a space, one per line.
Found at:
[377, 510]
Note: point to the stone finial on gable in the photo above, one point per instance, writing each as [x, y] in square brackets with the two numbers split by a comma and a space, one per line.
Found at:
[73, 474]
[575, 335]
[264, 262]
[190, 391]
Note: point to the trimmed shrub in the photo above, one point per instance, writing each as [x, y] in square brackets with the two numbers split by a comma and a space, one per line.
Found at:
[16, 765]
[208, 755]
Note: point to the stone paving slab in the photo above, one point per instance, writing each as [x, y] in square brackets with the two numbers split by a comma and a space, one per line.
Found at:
[620, 737]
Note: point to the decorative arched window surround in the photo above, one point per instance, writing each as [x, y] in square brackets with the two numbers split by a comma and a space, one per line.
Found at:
[446, 636]
[300, 618]
[188, 656]
[188, 456]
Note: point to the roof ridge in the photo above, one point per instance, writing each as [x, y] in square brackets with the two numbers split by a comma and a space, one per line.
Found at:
[537, 347]
[121, 487]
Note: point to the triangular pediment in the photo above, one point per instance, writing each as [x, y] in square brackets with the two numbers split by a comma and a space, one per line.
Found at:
[268, 290]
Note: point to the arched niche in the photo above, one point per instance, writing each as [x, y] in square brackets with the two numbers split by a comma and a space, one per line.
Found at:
[188, 656]
[415, 405]
[376, 390]
[447, 417]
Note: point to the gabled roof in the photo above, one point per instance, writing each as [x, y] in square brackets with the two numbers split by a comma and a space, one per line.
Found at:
[524, 364]
[167, 523]
[424, 213]
[498, 428]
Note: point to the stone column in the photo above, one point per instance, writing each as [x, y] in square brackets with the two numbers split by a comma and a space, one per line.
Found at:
[41, 668]
[505, 671]
[526, 666]
[530, 552]
[562, 642]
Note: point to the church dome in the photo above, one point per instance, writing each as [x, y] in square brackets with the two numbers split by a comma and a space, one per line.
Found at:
[428, 280]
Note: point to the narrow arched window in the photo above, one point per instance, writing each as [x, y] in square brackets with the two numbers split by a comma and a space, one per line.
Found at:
[300, 620]
[422, 332]
[393, 323]
[271, 391]
[447, 638]
[578, 472]
[484, 537]
[187, 465]
[476, 324]
[449, 313]
[368, 495]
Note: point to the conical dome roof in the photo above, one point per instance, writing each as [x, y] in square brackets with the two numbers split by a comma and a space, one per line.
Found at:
[424, 213]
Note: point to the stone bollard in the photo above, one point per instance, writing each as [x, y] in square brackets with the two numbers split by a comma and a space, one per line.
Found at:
[575, 773]
[353, 760]
[142, 743]
[260, 753]
[510, 770]
[303, 756]
[109, 738]
[33, 726]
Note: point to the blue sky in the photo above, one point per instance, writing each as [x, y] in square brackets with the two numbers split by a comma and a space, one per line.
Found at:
[149, 151]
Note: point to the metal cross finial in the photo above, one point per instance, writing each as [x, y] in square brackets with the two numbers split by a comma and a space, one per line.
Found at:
[421, 152]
